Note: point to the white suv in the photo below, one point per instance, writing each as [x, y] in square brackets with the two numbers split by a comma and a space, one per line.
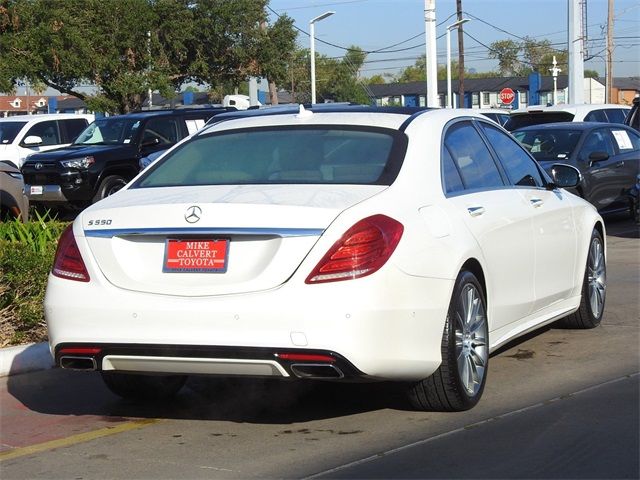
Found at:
[537, 114]
[23, 135]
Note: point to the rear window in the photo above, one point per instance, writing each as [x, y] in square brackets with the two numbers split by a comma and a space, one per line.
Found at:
[519, 120]
[307, 155]
[545, 144]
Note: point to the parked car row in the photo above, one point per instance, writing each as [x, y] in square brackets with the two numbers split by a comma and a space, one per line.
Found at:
[110, 152]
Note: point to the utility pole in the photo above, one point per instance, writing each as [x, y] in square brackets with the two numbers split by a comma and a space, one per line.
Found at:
[460, 55]
[432, 61]
[576, 60]
[609, 72]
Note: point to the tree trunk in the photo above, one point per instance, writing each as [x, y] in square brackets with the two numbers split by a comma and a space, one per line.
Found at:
[273, 93]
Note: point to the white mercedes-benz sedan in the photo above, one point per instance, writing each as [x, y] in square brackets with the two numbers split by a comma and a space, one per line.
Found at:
[345, 244]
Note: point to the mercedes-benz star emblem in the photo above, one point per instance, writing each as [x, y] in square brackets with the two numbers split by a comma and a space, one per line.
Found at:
[193, 214]
[39, 166]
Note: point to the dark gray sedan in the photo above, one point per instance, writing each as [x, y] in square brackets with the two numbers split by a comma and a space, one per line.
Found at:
[607, 155]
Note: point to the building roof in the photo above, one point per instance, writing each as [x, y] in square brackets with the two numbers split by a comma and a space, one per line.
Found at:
[7, 103]
[626, 83]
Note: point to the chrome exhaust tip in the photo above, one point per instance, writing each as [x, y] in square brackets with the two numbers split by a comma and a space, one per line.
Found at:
[317, 371]
[78, 363]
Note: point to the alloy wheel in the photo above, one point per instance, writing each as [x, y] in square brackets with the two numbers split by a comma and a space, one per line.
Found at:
[596, 277]
[471, 339]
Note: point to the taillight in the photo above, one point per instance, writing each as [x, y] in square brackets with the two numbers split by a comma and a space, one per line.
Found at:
[68, 262]
[361, 251]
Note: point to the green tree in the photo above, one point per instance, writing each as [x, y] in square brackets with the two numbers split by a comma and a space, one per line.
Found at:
[338, 80]
[125, 47]
[274, 54]
[506, 52]
[376, 80]
[414, 73]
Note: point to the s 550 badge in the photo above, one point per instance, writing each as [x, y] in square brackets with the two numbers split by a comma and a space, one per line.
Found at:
[101, 221]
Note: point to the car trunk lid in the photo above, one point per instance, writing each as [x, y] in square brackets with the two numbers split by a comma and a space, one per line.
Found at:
[231, 239]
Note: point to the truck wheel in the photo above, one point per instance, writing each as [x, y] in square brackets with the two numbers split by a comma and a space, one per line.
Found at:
[109, 186]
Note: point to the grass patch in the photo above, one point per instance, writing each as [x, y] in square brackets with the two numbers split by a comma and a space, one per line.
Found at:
[26, 255]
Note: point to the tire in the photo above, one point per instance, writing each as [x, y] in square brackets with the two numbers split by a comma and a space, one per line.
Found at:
[459, 381]
[594, 288]
[109, 185]
[143, 387]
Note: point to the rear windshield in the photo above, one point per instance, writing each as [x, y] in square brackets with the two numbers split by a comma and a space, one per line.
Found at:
[545, 144]
[109, 131]
[290, 155]
[519, 120]
[9, 130]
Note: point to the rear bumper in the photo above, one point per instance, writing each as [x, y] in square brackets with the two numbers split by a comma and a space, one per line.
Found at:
[384, 327]
[207, 360]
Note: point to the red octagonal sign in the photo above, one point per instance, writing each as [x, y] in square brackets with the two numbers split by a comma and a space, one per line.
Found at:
[506, 96]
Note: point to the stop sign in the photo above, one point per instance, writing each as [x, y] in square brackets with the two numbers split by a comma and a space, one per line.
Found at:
[506, 96]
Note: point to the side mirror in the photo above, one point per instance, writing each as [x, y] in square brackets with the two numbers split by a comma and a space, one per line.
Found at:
[598, 156]
[32, 141]
[565, 176]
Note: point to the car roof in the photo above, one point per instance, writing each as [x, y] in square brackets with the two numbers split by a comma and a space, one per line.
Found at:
[282, 115]
[571, 126]
[571, 108]
[397, 118]
[45, 116]
[316, 108]
[142, 114]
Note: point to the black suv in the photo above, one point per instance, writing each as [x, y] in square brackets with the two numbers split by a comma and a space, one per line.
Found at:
[106, 155]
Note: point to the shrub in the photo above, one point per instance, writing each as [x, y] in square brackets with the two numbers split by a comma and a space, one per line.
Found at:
[26, 256]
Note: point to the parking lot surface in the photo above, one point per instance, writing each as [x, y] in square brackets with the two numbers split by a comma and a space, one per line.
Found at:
[558, 403]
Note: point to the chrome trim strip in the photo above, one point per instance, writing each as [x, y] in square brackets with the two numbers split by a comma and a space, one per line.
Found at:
[194, 365]
[278, 232]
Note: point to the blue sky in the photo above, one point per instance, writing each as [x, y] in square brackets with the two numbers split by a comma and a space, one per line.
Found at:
[375, 24]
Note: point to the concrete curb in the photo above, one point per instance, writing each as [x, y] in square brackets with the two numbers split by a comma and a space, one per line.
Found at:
[25, 358]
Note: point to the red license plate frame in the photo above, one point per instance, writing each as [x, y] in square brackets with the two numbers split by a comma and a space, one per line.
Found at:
[196, 255]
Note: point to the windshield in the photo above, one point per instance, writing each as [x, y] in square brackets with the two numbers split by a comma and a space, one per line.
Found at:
[109, 131]
[9, 130]
[290, 155]
[546, 144]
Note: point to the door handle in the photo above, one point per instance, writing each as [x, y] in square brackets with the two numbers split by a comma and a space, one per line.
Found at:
[475, 211]
[620, 164]
[536, 202]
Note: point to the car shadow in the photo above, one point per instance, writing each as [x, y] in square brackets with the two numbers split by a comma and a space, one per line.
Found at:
[63, 392]
[621, 226]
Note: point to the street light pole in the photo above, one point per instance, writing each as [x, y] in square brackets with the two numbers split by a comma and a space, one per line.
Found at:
[449, 28]
[312, 32]
[555, 71]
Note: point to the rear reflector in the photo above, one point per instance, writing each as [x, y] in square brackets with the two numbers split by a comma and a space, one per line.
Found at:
[68, 262]
[361, 251]
[305, 357]
[79, 351]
